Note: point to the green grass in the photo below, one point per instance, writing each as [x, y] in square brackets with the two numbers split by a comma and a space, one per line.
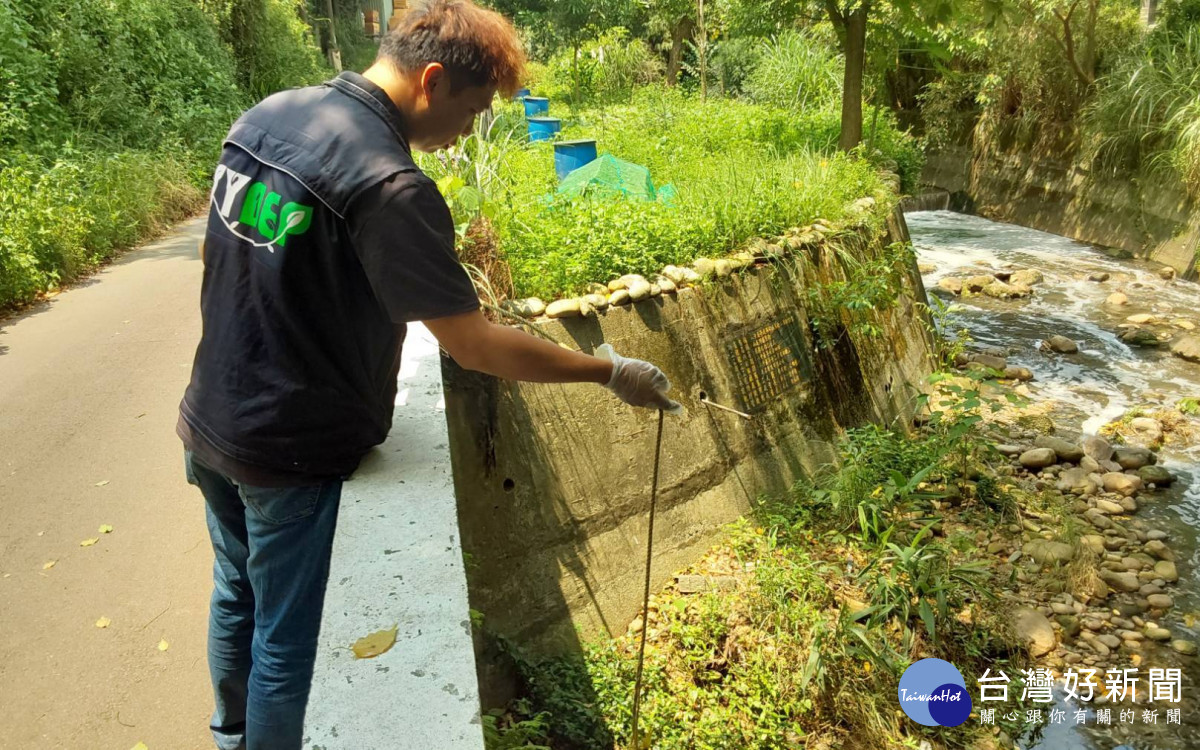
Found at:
[740, 171]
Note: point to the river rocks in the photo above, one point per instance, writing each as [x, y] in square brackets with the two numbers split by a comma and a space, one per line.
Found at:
[639, 289]
[665, 284]
[1132, 457]
[1098, 448]
[976, 284]
[1035, 630]
[1099, 277]
[1124, 484]
[1038, 458]
[1155, 633]
[526, 308]
[926, 268]
[1166, 273]
[1026, 277]
[1110, 640]
[1092, 543]
[1185, 325]
[1077, 481]
[951, 284]
[564, 308]
[1098, 519]
[1117, 299]
[724, 268]
[1145, 430]
[1142, 319]
[1140, 337]
[1065, 450]
[1126, 582]
[1156, 475]
[1000, 290]
[619, 297]
[1187, 348]
[1160, 601]
[1187, 648]
[1158, 549]
[1062, 345]
[1013, 372]
[681, 276]
[1090, 465]
[1045, 552]
[990, 361]
[1108, 507]
[706, 267]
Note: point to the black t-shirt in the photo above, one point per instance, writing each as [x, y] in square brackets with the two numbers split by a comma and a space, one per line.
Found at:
[304, 307]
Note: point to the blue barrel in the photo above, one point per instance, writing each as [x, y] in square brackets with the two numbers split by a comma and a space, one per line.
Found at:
[536, 105]
[543, 128]
[571, 155]
[521, 94]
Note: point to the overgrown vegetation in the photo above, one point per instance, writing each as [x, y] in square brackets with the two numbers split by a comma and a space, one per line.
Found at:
[825, 598]
[111, 115]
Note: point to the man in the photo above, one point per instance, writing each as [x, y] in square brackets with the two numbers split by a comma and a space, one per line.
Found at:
[323, 241]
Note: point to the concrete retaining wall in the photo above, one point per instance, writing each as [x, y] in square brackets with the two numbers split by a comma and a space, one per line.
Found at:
[553, 481]
[1148, 220]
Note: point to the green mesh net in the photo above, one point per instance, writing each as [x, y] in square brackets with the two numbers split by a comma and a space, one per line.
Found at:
[610, 176]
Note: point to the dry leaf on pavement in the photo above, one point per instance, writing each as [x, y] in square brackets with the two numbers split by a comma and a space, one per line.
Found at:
[106, 529]
[163, 645]
[89, 542]
[49, 565]
[103, 622]
[375, 644]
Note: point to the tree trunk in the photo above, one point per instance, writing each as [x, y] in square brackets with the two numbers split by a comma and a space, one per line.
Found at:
[335, 52]
[855, 47]
[682, 30]
[1149, 12]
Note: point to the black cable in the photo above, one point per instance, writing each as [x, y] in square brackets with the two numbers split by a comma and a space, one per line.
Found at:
[637, 679]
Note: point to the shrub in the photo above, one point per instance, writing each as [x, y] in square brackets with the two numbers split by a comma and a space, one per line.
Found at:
[63, 217]
[608, 69]
[1147, 111]
[795, 72]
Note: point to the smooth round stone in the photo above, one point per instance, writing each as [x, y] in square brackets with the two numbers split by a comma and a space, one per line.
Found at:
[1157, 634]
[1156, 534]
[1110, 640]
[564, 308]
[1166, 570]
[619, 297]
[1160, 601]
[1183, 647]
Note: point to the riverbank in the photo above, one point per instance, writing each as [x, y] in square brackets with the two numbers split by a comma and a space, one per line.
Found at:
[1006, 532]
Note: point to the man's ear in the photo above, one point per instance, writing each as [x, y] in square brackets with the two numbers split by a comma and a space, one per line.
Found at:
[433, 76]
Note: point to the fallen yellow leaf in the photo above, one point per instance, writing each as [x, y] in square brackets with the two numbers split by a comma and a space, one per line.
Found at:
[140, 746]
[49, 565]
[163, 645]
[102, 483]
[103, 622]
[375, 644]
[106, 529]
[89, 542]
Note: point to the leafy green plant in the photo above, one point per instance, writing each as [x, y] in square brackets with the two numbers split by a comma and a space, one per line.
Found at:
[796, 72]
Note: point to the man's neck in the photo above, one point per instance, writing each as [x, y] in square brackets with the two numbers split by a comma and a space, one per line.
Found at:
[397, 87]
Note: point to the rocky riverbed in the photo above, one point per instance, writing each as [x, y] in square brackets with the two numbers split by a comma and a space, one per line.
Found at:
[1098, 354]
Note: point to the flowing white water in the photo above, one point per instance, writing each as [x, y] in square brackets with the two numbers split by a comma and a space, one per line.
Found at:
[1097, 385]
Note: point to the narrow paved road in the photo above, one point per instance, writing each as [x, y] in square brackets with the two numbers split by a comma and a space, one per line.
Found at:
[89, 386]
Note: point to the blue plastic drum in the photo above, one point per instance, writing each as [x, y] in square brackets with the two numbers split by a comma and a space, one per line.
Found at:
[535, 106]
[521, 94]
[543, 128]
[571, 155]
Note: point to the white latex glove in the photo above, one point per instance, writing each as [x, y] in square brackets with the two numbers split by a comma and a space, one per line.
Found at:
[638, 383]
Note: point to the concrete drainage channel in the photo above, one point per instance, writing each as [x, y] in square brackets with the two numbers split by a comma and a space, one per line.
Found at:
[397, 560]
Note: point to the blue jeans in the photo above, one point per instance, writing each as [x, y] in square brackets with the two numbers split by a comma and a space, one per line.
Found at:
[272, 548]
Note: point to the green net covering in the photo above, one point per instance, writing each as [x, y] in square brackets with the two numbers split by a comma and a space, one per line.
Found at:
[608, 175]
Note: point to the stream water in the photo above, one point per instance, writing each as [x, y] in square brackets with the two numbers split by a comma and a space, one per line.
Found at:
[1097, 385]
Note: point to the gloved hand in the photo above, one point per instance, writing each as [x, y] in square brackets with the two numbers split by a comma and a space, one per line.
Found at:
[638, 383]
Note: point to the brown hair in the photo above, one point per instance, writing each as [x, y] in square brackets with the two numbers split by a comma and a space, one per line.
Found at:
[478, 47]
